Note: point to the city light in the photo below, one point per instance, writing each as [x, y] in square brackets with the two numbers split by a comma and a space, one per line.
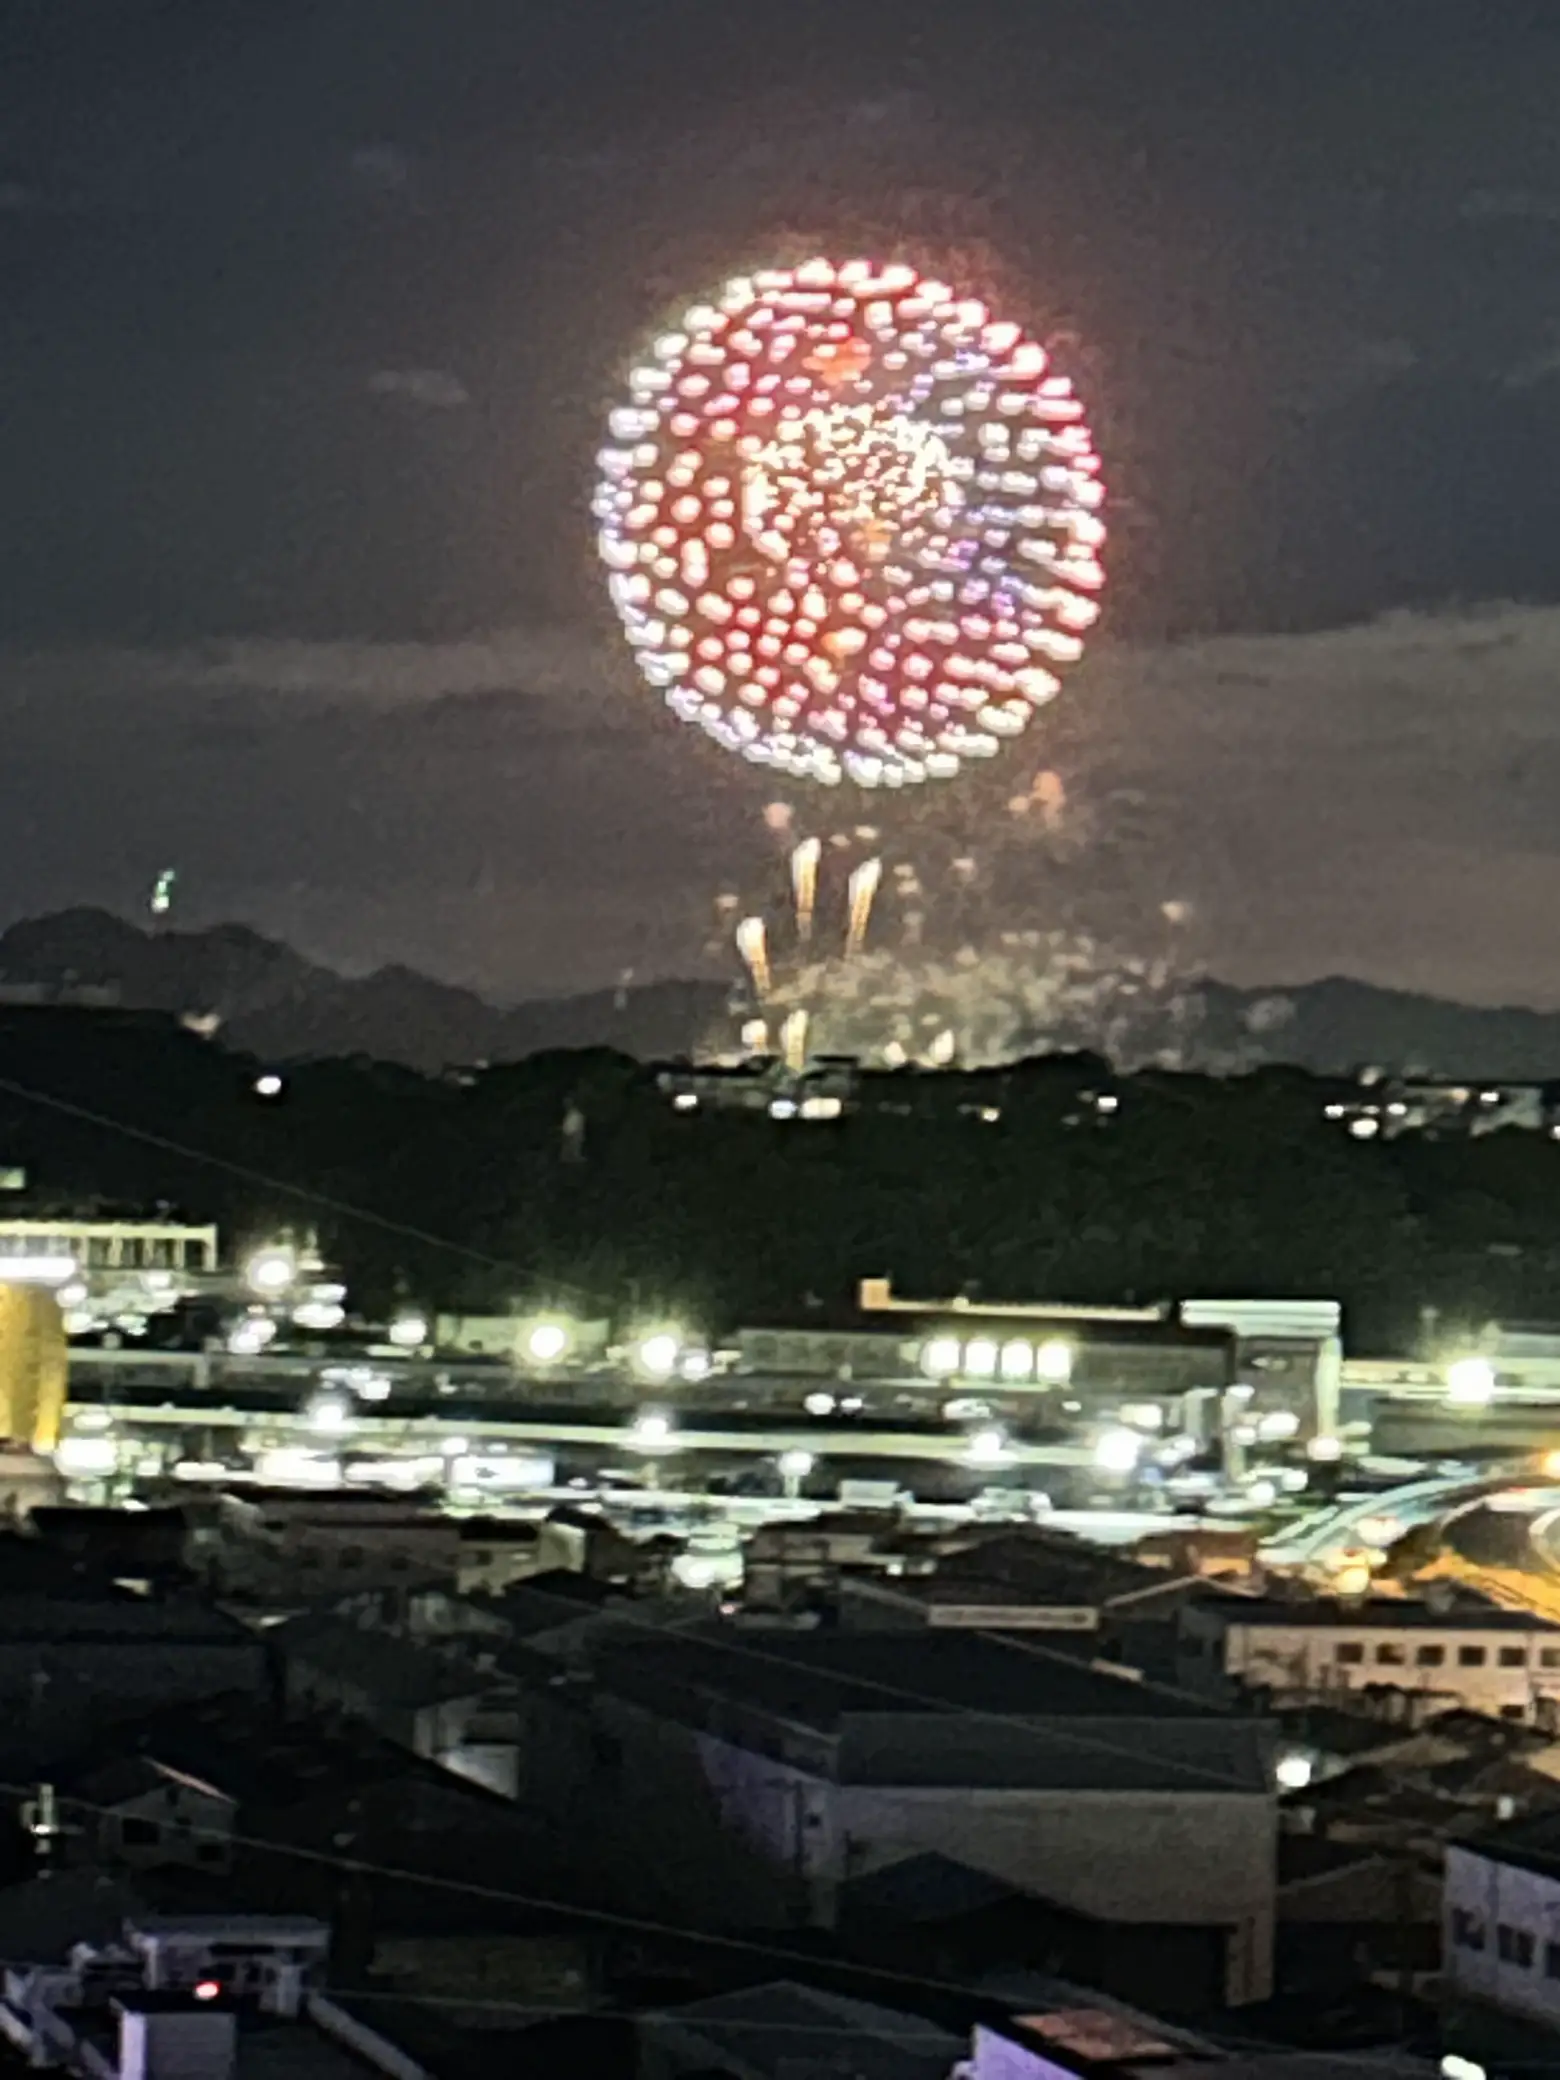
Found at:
[319, 1315]
[819, 1404]
[408, 1332]
[651, 1430]
[1293, 1772]
[329, 1413]
[1325, 1449]
[1018, 1361]
[795, 1465]
[248, 1338]
[980, 1358]
[269, 1085]
[37, 1270]
[656, 1355]
[940, 1357]
[987, 1447]
[85, 1456]
[547, 1342]
[1470, 1382]
[271, 1271]
[1053, 1362]
[1116, 1451]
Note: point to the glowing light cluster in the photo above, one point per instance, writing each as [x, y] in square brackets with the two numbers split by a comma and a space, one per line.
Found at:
[853, 523]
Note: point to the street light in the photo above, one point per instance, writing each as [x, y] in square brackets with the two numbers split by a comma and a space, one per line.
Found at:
[940, 1357]
[1117, 1451]
[271, 1271]
[1470, 1382]
[1053, 1362]
[409, 1331]
[651, 1430]
[656, 1355]
[795, 1466]
[547, 1342]
[987, 1447]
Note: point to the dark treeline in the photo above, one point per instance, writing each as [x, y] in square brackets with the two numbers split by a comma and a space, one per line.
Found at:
[1198, 1185]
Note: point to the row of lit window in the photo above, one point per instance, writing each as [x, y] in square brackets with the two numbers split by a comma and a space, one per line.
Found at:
[1350, 1653]
[982, 1357]
[1512, 1945]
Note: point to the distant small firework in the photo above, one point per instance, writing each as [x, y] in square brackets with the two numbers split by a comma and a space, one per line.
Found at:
[853, 523]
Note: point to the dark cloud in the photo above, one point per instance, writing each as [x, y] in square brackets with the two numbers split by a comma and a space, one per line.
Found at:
[310, 317]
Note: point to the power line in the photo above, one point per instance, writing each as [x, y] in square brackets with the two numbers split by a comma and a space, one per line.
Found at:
[307, 1193]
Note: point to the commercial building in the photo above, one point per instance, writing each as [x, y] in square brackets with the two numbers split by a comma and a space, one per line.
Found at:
[1501, 1929]
[835, 1755]
[1469, 1653]
[203, 1997]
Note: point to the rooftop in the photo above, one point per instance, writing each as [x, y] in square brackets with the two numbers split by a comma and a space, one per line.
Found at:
[393, 1671]
[764, 2028]
[959, 1708]
[1370, 1614]
[1531, 1844]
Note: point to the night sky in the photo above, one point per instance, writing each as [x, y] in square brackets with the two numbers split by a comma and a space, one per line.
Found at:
[310, 311]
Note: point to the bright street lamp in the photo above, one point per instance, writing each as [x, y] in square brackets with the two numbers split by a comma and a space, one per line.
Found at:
[271, 1271]
[1117, 1451]
[651, 1430]
[547, 1342]
[656, 1355]
[987, 1447]
[795, 1465]
[1470, 1382]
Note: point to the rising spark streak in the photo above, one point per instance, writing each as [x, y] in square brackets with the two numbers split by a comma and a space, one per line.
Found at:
[804, 885]
[753, 945]
[793, 1042]
[863, 887]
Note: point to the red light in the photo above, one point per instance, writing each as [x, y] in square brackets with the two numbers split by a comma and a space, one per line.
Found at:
[208, 1989]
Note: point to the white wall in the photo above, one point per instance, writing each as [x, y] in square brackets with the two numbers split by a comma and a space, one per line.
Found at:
[1198, 1859]
[1305, 1659]
[1482, 1896]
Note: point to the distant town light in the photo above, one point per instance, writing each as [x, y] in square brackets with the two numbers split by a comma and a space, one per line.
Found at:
[1116, 1451]
[1054, 1361]
[1293, 1772]
[1365, 1128]
[248, 1338]
[1018, 1360]
[656, 1355]
[686, 1101]
[319, 1315]
[86, 1456]
[1470, 1382]
[270, 1271]
[988, 1447]
[547, 1342]
[980, 1358]
[37, 1270]
[269, 1085]
[940, 1357]
[409, 1331]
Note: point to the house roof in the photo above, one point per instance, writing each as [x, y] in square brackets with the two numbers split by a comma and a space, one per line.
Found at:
[948, 1708]
[1531, 1844]
[767, 2029]
[1370, 1614]
[393, 1671]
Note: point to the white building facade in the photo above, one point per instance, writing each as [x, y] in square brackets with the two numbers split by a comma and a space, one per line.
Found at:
[1505, 1663]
